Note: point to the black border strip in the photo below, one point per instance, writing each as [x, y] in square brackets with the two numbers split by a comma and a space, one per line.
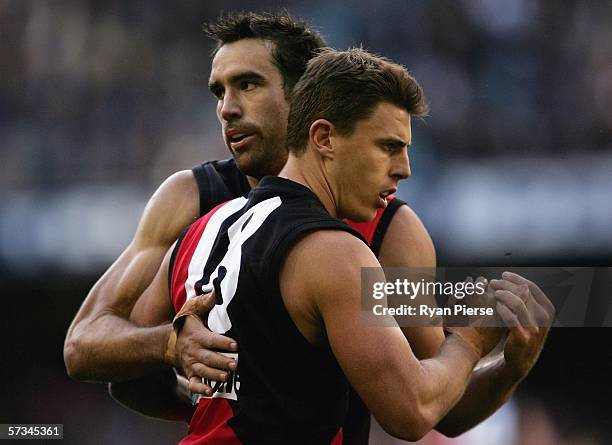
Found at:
[383, 224]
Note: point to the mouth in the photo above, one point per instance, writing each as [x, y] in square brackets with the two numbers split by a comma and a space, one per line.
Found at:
[384, 195]
[238, 140]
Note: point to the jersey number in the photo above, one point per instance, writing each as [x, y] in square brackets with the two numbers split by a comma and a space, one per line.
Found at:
[224, 278]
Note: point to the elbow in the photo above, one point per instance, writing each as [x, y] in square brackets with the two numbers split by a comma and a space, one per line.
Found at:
[412, 426]
[73, 359]
[411, 434]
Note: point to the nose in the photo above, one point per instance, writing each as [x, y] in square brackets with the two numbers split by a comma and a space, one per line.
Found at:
[401, 166]
[230, 107]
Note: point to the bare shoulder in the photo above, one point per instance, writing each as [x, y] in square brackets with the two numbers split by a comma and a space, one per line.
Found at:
[407, 242]
[325, 259]
[323, 248]
[173, 206]
[322, 270]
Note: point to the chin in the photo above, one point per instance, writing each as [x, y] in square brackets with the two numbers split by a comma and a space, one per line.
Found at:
[258, 165]
[363, 215]
[249, 166]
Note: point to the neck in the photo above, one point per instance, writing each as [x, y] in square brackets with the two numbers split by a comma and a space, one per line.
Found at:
[308, 170]
[252, 181]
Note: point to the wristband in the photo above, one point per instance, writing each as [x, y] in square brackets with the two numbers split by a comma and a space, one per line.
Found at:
[193, 306]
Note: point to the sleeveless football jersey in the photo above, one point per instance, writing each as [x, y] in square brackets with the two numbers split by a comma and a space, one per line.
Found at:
[220, 181]
[285, 389]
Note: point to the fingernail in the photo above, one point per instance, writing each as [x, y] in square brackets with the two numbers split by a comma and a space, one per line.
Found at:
[222, 377]
[232, 365]
[208, 392]
[233, 345]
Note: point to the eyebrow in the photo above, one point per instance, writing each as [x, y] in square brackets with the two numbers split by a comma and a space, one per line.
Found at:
[396, 142]
[241, 77]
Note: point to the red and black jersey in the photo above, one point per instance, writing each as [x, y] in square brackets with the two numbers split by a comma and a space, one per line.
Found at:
[220, 181]
[285, 389]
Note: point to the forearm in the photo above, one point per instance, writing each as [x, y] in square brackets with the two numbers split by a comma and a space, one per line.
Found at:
[446, 377]
[112, 348]
[489, 388]
[431, 390]
[162, 395]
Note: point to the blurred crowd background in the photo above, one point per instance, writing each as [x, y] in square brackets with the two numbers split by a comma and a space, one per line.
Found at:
[102, 100]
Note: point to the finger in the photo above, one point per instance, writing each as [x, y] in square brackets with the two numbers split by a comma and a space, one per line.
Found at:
[196, 386]
[481, 279]
[195, 330]
[517, 289]
[512, 322]
[206, 303]
[215, 360]
[205, 372]
[483, 282]
[484, 297]
[537, 293]
[211, 340]
[508, 317]
[515, 278]
[516, 305]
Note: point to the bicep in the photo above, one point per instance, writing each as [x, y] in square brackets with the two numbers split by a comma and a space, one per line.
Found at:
[172, 207]
[154, 305]
[363, 351]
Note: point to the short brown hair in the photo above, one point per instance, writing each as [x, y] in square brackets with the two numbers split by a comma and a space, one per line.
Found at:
[295, 42]
[344, 87]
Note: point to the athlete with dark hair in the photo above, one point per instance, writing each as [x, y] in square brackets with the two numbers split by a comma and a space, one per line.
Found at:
[286, 275]
[249, 81]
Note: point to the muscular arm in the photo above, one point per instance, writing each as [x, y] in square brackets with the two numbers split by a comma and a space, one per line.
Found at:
[102, 344]
[160, 392]
[408, 397]
[407, 244]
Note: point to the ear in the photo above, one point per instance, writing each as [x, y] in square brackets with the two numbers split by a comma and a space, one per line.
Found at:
[319, 137]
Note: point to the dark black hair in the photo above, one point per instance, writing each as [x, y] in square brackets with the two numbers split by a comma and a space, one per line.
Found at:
[295, 42]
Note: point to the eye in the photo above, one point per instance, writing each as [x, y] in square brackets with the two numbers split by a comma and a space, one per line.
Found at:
[247, 86]
[393, 147]
[218, 92]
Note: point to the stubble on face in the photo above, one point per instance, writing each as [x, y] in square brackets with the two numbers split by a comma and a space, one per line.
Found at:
[258, 104]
